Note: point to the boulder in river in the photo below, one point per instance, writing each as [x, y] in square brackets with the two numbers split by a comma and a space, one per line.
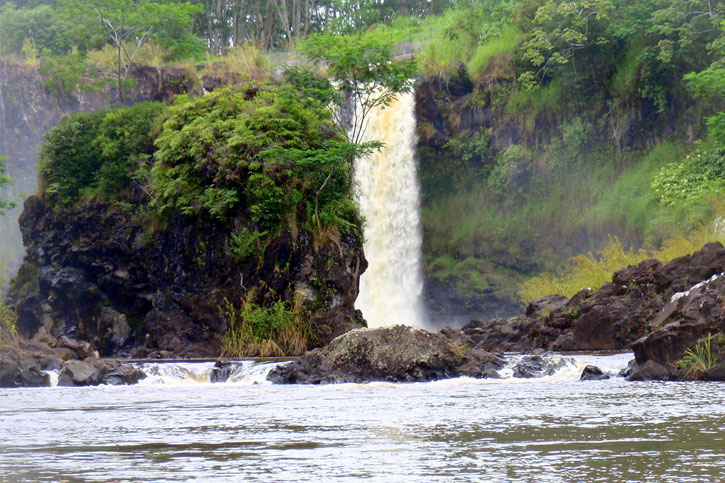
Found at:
[593, 373]
[538, 366]
[25, 363]
[650, 371]
[395, 354]
[92, 372]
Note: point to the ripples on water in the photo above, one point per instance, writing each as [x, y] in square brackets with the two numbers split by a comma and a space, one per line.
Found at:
[555, 429]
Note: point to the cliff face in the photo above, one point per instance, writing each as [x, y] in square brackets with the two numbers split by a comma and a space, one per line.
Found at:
[488, 165]
[95, 273]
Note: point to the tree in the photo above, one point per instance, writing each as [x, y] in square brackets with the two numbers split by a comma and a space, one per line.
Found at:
[129, 24]
[363, 72]
[4, 180]
[560, 31]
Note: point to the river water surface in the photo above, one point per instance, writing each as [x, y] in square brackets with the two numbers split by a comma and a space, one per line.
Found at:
[554, 429]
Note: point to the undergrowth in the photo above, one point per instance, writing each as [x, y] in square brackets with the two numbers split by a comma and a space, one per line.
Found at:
[8, 324]
[593, 270]
[265, 330]
[697, 359]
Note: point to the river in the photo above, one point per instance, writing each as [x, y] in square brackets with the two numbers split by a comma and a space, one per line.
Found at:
[176, 427]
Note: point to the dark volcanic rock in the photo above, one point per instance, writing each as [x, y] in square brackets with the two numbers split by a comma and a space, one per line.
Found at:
[715, 373]
[92, 372]
[95, 277]
[627, 371]
[636, 308]
[545, 304]
[396, 354]
[538, 366]
[650, 371]
[24, 363]
[21, 370]
[593, 373]
[221, 371]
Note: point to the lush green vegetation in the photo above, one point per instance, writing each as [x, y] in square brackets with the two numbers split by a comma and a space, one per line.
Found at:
[99, 152]
[265, 330]
[699, 358]
[597, 117]
[268, 151]
[570, 78]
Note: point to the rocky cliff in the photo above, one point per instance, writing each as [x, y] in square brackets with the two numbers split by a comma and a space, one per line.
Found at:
[95, 273]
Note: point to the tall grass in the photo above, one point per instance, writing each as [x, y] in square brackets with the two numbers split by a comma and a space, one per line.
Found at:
[265, 331]
[248, 60]
[8, 325]
[697, 359]
[483, 62]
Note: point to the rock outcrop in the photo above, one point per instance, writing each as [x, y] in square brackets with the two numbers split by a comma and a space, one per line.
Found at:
[95, 273]
[395, 354]
[658, 309]
[93, 372]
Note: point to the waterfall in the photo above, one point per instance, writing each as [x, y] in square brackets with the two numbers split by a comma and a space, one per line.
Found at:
[387, 188]
[2, 113]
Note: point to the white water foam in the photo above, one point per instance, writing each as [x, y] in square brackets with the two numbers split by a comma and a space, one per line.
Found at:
[387, 188]
[243, 373]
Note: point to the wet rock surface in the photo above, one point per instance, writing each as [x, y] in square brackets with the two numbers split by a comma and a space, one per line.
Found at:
[90, 275]
[593, 373]
[395, 354]
[538, 366]
[636, 309]
[92, 372]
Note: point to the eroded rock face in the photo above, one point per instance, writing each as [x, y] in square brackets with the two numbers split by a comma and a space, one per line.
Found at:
[395, 354]
[635, 308]
[24, 363]
[95, 274]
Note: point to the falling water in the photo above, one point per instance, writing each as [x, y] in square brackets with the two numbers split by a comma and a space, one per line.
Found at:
[387, 189]
[2, 114]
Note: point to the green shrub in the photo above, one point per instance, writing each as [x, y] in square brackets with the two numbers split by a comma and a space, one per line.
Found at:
[69, 157]
[267, 150]
[701, 173]
[98, 151]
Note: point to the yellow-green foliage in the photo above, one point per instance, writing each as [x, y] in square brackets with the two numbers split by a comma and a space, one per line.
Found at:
[593, 270]
[487, 52]
[265, 330]
[248, 60]
[8, 324]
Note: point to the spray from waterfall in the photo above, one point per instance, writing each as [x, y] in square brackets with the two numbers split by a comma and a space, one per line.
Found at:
[387, 188]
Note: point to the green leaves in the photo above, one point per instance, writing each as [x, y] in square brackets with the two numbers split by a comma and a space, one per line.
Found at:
[4, 180]
[362, 70]
[262, 152]
[98, 152]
